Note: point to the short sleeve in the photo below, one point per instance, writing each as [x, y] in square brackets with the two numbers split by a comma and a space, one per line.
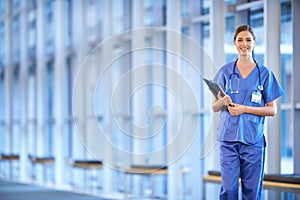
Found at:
[272, 89]
[220, 79]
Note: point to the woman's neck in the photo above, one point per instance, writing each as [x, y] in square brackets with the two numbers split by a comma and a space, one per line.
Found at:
[245, 61]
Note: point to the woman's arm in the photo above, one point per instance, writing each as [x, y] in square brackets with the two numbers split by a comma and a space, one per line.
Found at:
[220, 102]
[270, 109]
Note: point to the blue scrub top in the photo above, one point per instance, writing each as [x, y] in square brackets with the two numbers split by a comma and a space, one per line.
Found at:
[246, 128]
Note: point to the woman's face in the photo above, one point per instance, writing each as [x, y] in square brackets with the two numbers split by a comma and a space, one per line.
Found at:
[244, 43]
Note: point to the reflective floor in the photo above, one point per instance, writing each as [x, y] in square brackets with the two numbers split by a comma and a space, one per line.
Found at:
[18, 191]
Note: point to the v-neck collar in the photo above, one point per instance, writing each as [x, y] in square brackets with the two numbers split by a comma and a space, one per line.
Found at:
[244, 78]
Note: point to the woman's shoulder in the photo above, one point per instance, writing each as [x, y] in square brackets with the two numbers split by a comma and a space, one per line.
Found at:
[227, 65]
[262, 66]
[264, 69]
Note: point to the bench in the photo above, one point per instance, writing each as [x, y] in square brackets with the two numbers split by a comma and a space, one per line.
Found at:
[279, 182]
[10, 158]
[144, 170]
[85, 165]
[45, 162]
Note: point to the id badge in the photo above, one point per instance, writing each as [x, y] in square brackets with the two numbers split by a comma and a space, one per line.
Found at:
[256, 97]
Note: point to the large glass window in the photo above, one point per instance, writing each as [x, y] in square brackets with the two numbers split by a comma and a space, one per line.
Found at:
[2, 47]
[91, 21]
[2, 70]
[16, 39]
[149, 13]
[15, 5]
[49, 109]
[32, 32]
[31, 2]
[32, 109]
[14, 142]
[49, 18]
[185, 8]
[286, 51]
[256, 21]
[68, 23]
[205, 7]
[154, 13]
[2, 110]
[16, 108]
[2, 9]
[229, 48]
[68, 110]
[156, 95]
[118, 13]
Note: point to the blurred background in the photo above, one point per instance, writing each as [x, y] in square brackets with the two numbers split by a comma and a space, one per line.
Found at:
[90, 89]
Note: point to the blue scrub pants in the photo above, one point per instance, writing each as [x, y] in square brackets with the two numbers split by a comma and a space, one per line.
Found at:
[244, 161]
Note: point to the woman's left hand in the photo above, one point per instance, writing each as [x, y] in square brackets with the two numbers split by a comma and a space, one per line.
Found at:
[236, 109]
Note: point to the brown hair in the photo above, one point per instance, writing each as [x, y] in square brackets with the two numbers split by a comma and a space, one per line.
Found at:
[244, 28]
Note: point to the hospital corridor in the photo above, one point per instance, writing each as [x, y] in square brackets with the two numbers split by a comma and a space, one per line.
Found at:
[149, 99]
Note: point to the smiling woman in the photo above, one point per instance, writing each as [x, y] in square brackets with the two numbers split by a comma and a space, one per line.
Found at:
[242, 144]
[244, 40]
[141, 99]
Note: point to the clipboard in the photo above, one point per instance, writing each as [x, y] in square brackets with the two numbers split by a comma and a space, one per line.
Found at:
[214, 88]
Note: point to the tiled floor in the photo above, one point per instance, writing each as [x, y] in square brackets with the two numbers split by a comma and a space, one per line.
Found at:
[18, 191]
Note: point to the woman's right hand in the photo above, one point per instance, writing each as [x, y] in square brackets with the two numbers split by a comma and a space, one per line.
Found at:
[220, 102]
[225, 101]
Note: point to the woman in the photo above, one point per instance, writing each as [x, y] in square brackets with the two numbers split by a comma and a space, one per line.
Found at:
[251, 90]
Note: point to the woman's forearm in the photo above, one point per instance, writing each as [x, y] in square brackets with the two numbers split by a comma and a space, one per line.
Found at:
[217, 105]
[268, 110]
